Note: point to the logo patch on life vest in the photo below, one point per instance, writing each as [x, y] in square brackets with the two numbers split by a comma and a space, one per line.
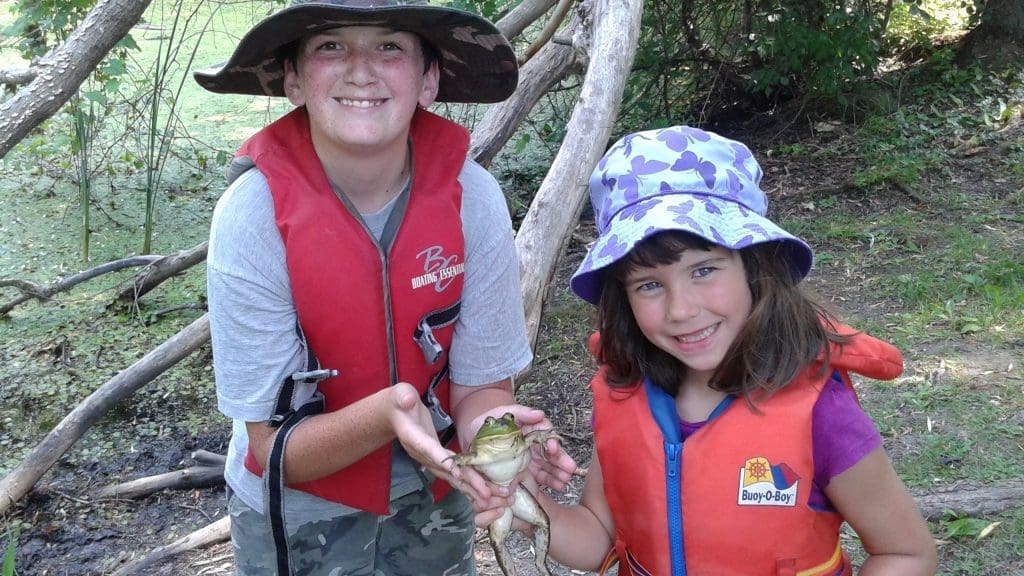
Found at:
[764, 484]
[438, 270]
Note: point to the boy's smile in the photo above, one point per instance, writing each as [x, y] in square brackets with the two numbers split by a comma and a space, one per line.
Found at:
[361, 86]
[693, 308]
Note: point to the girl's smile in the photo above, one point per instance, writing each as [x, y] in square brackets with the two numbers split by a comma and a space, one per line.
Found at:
[693, 308]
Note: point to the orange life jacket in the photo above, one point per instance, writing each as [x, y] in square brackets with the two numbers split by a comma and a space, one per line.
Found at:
[360, 309]
[732, 499]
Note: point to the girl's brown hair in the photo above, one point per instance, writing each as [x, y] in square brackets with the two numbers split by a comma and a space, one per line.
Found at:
[785, 332]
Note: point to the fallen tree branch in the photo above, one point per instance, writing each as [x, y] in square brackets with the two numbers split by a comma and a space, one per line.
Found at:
[525, 13]
[204, 458]
[971, 499]
[32, 290]
[17, 77]
[185, 479]
[207, 471]
[62, 70]
[162, 269]
[545, 231]
[552, 64]
[549, 30]
[25, 475]
[218, 531]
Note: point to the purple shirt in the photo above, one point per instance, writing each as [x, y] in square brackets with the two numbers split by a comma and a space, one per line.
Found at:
[842, 435]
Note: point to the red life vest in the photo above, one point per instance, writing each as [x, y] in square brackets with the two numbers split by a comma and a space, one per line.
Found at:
[359, 308]
[745, 477]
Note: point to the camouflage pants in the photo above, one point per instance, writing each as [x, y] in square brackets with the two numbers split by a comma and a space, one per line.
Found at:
[420, 539]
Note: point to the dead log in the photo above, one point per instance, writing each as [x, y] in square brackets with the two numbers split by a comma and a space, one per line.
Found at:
[551, 65]
[59, 74]
[548, 32]
[971, 499]
[161, 270]
[16, 77]
[218, 531]
[524, 14]
[544, 232]
[25, 475]
[207, 471]
[32, 290]
[204, 458]
[185, 479]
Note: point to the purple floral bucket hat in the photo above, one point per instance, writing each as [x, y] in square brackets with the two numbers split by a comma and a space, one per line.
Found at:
[678, 178]
[476, 61]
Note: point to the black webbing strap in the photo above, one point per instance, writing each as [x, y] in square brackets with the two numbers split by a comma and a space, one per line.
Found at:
[285, 419]
[432, 350]
[274, 479]
[424, 332]
[442, 421]
[283, 406]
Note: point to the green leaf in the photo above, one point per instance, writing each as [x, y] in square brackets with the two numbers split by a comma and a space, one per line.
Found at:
[965, 527]
[12, 542]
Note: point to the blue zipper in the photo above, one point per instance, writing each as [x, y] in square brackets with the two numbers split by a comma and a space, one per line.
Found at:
[673, 493]
[663, 410]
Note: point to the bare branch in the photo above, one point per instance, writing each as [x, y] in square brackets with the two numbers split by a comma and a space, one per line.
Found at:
[62, 71]
[524, 14]
[218, 531]
[17, 77]
[33, 290]
[549, 30]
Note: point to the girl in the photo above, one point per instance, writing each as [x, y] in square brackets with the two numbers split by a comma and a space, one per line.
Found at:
[728, 438]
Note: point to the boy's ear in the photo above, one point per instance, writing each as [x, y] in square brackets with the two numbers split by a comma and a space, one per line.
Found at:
[431, 84]
[292, 86]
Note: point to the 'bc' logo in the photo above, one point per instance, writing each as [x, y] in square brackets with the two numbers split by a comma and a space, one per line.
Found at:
[438, 269]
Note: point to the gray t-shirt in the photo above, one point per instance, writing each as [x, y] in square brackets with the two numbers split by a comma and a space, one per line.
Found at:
[252, 318]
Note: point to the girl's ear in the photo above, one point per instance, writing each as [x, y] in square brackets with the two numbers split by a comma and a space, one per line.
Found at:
[431, 84]
[292, 84]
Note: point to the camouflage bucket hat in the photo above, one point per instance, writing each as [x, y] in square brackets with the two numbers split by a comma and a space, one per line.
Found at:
[685, 179]
[476, 61]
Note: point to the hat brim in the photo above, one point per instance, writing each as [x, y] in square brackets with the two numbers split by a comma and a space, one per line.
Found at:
[477, 63]
[685, 213]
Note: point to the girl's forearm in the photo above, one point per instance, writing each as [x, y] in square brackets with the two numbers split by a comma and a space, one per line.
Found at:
[899, 565]
[578, 539]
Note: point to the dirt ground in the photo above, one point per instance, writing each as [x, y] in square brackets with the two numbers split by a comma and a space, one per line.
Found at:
[73, 535]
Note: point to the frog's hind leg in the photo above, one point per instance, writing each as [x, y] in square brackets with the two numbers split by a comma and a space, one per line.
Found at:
[496, 534]
[527, 508]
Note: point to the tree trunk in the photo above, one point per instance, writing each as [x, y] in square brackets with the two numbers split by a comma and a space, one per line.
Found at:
[59, 74]
[998, 40]
[524, 14]
[548, 225]
[551, 65]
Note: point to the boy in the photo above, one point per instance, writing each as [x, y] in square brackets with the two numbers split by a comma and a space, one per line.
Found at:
[364, 292]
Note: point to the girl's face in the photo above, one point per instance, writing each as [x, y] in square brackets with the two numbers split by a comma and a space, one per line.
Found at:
[361, 86]
[692, 308]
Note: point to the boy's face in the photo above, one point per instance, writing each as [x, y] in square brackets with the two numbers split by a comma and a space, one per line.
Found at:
[361, 86]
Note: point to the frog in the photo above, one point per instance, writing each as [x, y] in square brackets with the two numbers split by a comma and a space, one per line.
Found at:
[500, 451]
